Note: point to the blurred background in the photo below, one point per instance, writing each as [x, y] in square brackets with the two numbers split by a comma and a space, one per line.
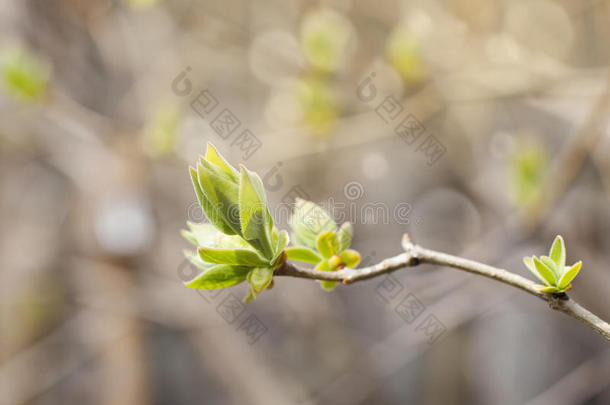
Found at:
[478, 126]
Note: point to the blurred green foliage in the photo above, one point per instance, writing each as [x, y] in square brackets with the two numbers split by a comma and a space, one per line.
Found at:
[141, 4]
[161, 136]
[318, 104]
[325, 35]
[23, 75]
[527, 168]
[404, 54]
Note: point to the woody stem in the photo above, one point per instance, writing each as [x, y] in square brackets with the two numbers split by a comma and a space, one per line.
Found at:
[415, 255]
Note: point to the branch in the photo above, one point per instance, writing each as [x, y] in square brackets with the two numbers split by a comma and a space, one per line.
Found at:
[415, 255]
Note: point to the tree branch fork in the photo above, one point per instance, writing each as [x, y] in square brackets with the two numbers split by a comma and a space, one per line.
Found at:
[414, 255]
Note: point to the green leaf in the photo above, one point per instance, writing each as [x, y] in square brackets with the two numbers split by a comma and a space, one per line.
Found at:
[216, 158]
[220, 276]
[211, 211]
[529, 263]
[188, 236]
[303, 236]
[260, 278]
[569, 275]
[328, 244]
[282, 241]
[230, 242]
[550, 289]
[345, 236]
[256, 222]
[308, 221]
[303, 254]
[251, 295]
[204, 234]
[350, 258]
[218, 171]
[558, 253]
[280, 244]
[221, 197]
[551, 265]
[328, 285]
[196, 260]
[235, 257]
[546, 273]
[324, 266]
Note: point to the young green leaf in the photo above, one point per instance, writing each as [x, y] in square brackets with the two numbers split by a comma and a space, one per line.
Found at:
[551, 265]
[204, 234]
[303, 254]
[345, 236]
[220, 276]
[196, 260]
[280, 244]
[558, 252]
[281, 241]
[189, 236]
[314, 217]
[301, 239]
[529, 263]
[308, 221]
[260, 278]
[350, 258]
[256, 222]
[223, 196]
[230, 242]
[328, 285]
[569, 275]
[211, 210]
[550, 289]
[235, 257]
[324, 266]
[546, 273]
[328, 244]
[217, 170]
[215, 158]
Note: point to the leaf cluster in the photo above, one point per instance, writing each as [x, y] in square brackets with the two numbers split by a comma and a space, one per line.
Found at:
[240, 242]
[319, 241]
[551, 270]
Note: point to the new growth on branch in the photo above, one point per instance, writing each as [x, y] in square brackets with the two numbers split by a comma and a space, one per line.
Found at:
[241, 243]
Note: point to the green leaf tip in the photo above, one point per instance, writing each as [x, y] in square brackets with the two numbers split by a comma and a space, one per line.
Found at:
[216, 158]
[557, 252]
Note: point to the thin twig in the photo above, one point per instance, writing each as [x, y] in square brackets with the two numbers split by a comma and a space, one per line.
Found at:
[415, 255]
